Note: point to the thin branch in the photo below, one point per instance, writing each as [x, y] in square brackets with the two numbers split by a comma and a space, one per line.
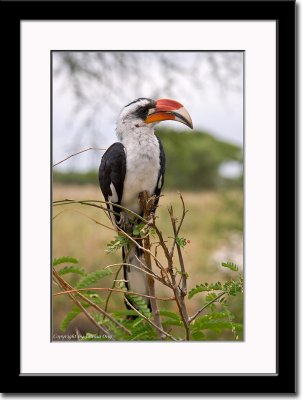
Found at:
[98, 308]
[105, 314]
[150, 321]
[87, 202]
[158, 278]
[59, 213]
[180, 256]
[206, 305]
[90, 317]
[113, 286]
[146, 205]
[82, 202]
[184, 211]
[138, 245]
[179, 299]
[75, 154]
[114, 290]
[94, 220]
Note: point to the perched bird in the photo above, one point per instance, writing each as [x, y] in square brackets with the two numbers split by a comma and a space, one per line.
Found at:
[133, 165]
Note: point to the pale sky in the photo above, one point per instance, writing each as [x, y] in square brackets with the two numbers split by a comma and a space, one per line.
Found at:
[212, 110]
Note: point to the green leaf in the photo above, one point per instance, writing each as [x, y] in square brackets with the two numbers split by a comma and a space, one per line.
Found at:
[231, 266]
[141, 335]
[116, 244]
[93, 277]
[65, 259]
[234, 287]
[170, 314]
[216, 321]
[75, 269]
[181, 241]
[210, 297]
[139, 303]
[182, 273]
[197, 335]
[205, 287]
[141, 330]
[138, 230]
[69, 317]
[173, 319]
[122, 313]
[170, 322]
[152, 231]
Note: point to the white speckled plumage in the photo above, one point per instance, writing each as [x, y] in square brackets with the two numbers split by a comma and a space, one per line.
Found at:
[142, 166]
[142, 155]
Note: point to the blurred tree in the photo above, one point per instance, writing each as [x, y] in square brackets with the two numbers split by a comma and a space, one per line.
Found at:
[193, 162]
[101, 82]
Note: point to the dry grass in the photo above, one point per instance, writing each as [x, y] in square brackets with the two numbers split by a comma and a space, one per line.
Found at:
[213, 225]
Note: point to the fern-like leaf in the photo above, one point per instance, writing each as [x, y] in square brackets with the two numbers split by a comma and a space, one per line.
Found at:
[123, 313]
[75, 269]
[170, 315]
[216, 321]
[139, 303]
[69, 317]
[231, 266]
[172, 318]
[116, 244]
[234, 287]
[205, 287]
[198, 335]
[65, 259]
[93, 277]
[141, 330]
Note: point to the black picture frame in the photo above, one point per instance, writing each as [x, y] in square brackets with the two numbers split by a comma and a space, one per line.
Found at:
[12, 12]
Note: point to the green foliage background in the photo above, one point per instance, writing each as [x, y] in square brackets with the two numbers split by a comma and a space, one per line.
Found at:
[193, 161]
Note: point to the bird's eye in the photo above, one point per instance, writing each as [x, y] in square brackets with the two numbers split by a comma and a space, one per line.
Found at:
[142, 112]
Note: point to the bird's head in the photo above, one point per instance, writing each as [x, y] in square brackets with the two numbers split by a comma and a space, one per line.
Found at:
[144, 113]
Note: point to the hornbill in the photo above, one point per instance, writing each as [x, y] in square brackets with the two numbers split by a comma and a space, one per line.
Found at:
[133, 165]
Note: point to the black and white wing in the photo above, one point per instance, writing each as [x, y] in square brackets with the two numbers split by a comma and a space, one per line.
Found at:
[160, 180]
[111, 176]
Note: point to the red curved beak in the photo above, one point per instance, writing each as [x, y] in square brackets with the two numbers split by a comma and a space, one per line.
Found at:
[167, 109]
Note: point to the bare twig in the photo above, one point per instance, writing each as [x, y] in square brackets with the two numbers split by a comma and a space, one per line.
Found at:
[66, 285]
[184, 211]
[113, 290]
[179, 299]
[85, 203]
[113, 286]
[92, 219]
[180, 256]
[137, 267]
[206, 305]
[146, 206]
[89, 316]
[75, 154]
[89, 203]
[150, 321]
[139, 246]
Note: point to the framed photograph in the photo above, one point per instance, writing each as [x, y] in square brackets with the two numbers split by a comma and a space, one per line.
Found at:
[154, 239]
